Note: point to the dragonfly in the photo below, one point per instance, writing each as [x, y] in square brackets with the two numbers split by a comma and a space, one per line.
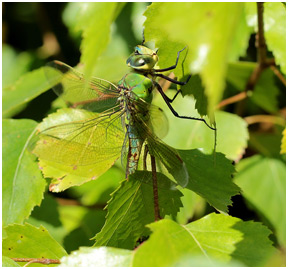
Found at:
[108, 121]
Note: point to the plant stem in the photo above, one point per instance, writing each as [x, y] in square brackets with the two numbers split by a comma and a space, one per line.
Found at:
[155, 189]
[262, 64]
[36, 260]
[145, 157]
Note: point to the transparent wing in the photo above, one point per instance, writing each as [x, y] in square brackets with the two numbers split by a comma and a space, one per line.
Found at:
[88, 138]
[94, 94]
[169, 157]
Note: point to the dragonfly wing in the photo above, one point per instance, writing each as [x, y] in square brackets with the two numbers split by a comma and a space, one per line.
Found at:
[168, 156]
[88, 140]
[92, 94]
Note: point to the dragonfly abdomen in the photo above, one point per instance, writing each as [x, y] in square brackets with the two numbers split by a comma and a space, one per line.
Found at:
[134, 150]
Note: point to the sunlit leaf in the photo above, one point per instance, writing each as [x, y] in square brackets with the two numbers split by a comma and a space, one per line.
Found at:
[131, 208]
[95, 21]
[217, 236]
[22, 183]
[98, 257]
[275, 31]
[232, 132]
[7, 262]
[283, 143]
[27, 241]
[215, 33]
[260, 178]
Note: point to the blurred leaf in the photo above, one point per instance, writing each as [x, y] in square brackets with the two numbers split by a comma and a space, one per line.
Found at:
[265, 91]
[66, 175]
[275, 31]
[217, 236]
[15, 64]
[215, 33]
[47, 215]
[90, 224]
[25, 89]
[210, 177]
[260, 178]
[198, 261]
[71, 216]
[267, 144]
[69, 14]
[98, 191]
[95, 21]
[232, 132]
[131, 208]
[27, 241]
[283, 142]
[193, 204]
[98, 257]
[23, 185]
[7, 262]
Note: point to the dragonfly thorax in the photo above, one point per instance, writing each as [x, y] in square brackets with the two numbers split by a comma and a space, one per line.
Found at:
[135, 86]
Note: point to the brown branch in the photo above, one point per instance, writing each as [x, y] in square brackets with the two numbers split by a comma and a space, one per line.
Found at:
[36, 260]
[262, 63]
[265, 118]
[233, 99]
[261, 39]
[155, 189]
[278, 74]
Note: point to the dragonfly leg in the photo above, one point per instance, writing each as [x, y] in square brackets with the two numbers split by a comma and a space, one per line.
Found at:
[166, 99]
[171, 67]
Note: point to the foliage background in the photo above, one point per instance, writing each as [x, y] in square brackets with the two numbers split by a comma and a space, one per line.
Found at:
[250, 131]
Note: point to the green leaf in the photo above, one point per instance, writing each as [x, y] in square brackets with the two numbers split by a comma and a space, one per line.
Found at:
[47, 215]
[95, 21]
[23, 185]
[265, 91]
[275, 31]
[232, 132]
[283, 142]
[27, 241]
[25, 89]
[98, 257]
[63, 173]
[7, 262]
[131, 208]
[193, 206]
[267, 144]
[199, 25]
[210, 177]
[215, 236]
[260, 178]
[98, 191]
[15, 64]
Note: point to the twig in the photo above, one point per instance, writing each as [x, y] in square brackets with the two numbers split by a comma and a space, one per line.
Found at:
[265, 118]
[36, 260]
[278, 74]
[262, 62]
[236, 98]
[155, 189]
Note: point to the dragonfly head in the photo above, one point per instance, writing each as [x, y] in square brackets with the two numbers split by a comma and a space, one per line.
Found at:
[142, 58]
